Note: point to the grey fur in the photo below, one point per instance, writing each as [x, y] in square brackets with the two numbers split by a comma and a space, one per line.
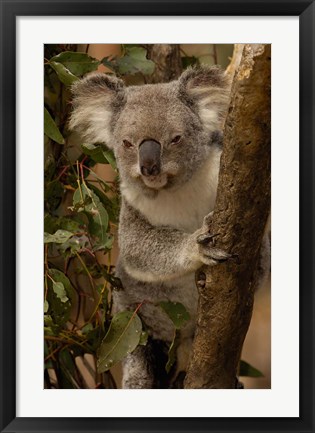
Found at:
[163, 230]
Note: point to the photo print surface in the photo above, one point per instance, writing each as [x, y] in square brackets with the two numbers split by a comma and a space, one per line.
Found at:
[157, 216]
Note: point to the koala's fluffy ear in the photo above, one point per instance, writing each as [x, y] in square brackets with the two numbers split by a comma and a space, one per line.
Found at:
[206, 89]
[96, 98]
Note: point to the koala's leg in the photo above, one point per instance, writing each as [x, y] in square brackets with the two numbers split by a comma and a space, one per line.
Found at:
[144, 368]
[137, 370]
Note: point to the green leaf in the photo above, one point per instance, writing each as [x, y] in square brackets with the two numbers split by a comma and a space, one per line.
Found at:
[59, 276]
[64, 75]
[135, 61]
[189, 61]
[176, 312]
[51, 129]
[172, 351]
[68, 224]
[77, 63]
[87, 328]
[110, 158]
[143, 338]
[75, 244]
[109, 63]
[68, 370]
[59, 237]
[95, 152]
[84, 199]
[60, 291]
[59, 307]
[122, 338]
[111, 204]
[50, 225]
[246, 369]
[99, 153]
[50, 328]
[54, 192]
[66, 359]
[46, 306]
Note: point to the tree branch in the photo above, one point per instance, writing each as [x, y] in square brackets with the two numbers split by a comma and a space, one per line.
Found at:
[239, 219]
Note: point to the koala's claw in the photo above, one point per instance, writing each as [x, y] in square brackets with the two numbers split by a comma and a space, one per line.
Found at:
[218, 255]
[213, 256]
[209, 254]
[206, 238]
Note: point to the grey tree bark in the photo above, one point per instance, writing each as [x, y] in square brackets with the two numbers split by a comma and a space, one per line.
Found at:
[240, 215]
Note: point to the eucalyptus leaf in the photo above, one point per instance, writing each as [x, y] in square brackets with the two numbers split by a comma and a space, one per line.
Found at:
[50, 225]
[109, 63]
[53, 223]
[143, 338]
[64, 75]
[176, 312]
[59, 237]
[246, 369]
[60, 291]
[53, 195]
[95, 152]
[109, 155]
[68, 370]
[77, 63]
[111, 204]
[84, 199]
[51, 129]
[99, 153]
[172, 351]
[50, 327]
[189, 61]
[87, 328]
[135, 61]
[122, 338]
[75, 244]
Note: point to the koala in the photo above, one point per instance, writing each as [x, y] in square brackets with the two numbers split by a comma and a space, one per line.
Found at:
[167, 142]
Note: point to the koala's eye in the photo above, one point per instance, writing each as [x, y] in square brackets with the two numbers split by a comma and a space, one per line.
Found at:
[176, 139]
[127, 144]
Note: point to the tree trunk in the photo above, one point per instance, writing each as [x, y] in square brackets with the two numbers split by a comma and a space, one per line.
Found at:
[235, 60]
[239, 219]
[168, 64]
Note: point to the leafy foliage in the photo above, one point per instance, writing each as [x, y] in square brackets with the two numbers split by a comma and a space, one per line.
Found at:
[122, 338]
[81, 216]
[133, 61]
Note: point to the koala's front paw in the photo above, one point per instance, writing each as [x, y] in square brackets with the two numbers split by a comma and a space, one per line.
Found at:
[209, 254]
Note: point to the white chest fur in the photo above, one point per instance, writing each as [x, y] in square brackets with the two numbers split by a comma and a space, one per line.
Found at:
[184, 208]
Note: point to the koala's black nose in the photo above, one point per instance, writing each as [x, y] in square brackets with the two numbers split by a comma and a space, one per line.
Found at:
[150, 158]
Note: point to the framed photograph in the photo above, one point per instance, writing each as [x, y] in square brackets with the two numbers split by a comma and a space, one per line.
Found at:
[80, 391]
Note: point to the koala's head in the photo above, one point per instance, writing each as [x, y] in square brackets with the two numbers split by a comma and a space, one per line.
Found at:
[160, 133]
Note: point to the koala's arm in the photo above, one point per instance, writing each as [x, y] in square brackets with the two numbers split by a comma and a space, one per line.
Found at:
[158, 253]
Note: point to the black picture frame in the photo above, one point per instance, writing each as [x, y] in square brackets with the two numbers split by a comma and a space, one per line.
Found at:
[305, 9]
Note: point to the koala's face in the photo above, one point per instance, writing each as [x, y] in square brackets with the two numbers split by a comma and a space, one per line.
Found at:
[160, 133]
[158, 140]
